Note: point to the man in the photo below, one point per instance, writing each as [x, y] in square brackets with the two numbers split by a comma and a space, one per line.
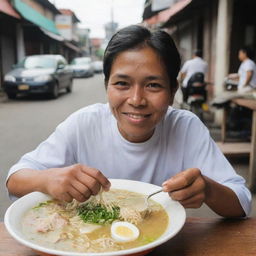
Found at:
[247, 71]
[137, 135]
[190, 67]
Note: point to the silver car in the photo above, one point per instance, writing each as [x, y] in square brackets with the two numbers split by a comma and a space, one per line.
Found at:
[39, 74]
[82, 67]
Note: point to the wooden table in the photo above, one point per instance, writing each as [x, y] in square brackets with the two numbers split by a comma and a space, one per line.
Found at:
[239, 148]
[198, 237]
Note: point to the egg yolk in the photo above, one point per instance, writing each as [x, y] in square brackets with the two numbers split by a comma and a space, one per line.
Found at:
[124, 231]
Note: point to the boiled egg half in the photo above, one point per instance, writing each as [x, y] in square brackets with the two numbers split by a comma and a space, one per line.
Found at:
[123, 231]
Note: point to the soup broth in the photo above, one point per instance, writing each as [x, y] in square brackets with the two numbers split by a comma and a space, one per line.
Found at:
[59, 225]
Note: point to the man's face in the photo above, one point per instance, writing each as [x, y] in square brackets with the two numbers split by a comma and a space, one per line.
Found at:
[138, 93]
[242, 55]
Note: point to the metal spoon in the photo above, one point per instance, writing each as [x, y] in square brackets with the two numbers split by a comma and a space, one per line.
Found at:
[147, 198]
[152, 194]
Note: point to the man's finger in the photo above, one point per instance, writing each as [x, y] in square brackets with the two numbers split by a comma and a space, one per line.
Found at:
[81, 197]
[84, 182]
[96, 174]
[181, 180]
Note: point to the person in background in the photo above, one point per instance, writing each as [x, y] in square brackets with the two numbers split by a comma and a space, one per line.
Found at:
[246, 71]
[137, 135]
[190, 67]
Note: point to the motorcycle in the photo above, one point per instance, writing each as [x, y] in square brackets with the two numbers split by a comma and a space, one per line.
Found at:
[197, 95]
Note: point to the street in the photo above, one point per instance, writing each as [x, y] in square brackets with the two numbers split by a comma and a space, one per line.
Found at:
[25, 122]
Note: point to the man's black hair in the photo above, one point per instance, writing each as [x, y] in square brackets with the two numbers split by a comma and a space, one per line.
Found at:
[198, 53]
[248, 51]
[136, 36]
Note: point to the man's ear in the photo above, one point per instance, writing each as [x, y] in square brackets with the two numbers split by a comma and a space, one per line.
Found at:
[174, 88]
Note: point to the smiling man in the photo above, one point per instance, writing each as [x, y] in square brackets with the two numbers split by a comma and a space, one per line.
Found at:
[137, 135]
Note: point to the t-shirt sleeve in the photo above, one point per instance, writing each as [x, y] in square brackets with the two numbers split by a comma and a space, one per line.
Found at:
[55, 151]
[203, 153]
[248, 66]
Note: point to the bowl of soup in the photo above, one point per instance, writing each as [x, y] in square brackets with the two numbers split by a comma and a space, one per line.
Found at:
[117, 222]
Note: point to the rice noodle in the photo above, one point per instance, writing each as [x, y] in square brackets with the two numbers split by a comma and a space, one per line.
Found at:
[130, 215]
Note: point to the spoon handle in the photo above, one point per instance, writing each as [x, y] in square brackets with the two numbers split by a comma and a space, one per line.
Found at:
[158, 191]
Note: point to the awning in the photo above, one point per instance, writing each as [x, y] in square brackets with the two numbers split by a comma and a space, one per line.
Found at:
[186, 12]
[35, 17]
[72, 46]
[148, 13]
[52, 35]
[165, 15]
[7, 8]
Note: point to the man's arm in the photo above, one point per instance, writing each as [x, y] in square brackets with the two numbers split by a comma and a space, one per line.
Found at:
[181, 77]
[233, 76]
[76, 181]
[248, 77]
[192, 189]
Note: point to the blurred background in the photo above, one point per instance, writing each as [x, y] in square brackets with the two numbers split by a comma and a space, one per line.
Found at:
[53, 50]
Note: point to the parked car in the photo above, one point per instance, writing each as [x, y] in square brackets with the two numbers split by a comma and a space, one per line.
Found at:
[82, 67]
[98, 66]
[38, 74]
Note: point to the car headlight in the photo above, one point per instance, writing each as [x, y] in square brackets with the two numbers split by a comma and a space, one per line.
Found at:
[42, 78]
[9, 78]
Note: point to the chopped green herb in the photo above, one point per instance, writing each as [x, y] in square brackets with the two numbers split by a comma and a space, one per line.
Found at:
[146, 239]
[97, 213]
[42, 204]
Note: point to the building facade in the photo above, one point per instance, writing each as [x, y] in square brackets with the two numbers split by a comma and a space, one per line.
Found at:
[28, 27]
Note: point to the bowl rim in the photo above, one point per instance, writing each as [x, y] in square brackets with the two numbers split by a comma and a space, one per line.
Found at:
[130, 251]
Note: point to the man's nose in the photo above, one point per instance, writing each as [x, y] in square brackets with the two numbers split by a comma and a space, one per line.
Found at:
[137, 97]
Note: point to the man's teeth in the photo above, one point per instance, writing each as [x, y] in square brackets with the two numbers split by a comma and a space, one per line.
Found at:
[137, 116]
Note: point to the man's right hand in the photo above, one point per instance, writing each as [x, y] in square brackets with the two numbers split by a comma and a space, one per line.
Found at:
[77, 181]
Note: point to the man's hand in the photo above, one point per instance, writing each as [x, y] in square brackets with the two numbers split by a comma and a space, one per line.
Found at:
[187, 187]
[76, 181]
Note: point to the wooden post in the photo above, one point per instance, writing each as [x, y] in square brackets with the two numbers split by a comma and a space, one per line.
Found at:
[252, 169]
[224, 125]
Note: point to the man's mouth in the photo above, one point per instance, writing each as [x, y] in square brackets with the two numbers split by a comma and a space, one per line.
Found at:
[137, 116]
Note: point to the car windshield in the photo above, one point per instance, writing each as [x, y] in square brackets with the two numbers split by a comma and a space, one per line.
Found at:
[80, 61]
[38, 62]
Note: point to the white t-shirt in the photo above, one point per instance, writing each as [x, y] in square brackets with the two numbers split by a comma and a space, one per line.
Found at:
[193, 66]
[247, 65]
[90, 136]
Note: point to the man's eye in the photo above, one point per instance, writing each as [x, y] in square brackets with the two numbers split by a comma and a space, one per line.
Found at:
[154, 85]
[121, 83]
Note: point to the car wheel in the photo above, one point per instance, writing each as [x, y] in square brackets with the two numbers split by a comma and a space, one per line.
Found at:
[70, 86]
[11, 95]
[55, 91]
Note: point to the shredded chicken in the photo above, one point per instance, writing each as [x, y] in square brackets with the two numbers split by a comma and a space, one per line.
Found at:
[130, 215]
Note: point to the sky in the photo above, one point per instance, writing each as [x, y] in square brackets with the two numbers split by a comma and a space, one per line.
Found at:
[93, 14]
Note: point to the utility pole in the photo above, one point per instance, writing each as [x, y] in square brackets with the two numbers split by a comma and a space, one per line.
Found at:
[112, 17]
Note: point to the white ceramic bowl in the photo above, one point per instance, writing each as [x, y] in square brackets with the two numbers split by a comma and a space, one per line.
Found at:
[175, 210]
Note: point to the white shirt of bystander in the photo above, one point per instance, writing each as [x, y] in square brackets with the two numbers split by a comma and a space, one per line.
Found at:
[247, 65]
[193, 66]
